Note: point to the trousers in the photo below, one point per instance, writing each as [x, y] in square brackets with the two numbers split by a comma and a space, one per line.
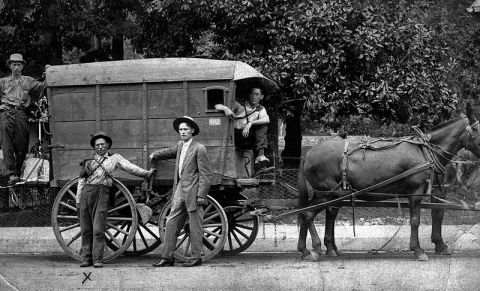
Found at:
[175, 222]
[15, 135]
[93, 220]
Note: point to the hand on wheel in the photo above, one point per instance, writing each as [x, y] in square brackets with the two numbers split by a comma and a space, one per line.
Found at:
[201, 201]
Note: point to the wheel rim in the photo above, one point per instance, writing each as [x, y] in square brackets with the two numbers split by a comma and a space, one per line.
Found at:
[242, 229]
[121, 212]
[215, 229]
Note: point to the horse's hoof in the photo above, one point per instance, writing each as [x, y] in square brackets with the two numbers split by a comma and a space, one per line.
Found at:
[331, 253]
[311, 256]
[444, 252]
[338, 252]
[422, 257]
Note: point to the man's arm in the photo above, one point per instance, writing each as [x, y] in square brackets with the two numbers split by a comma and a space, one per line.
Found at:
[262, 119]
[165, 154]
[230, 113]
[81, 184]
[205, 174]
[130, 168]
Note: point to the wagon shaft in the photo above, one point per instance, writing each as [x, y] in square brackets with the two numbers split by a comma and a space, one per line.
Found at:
[407, 173]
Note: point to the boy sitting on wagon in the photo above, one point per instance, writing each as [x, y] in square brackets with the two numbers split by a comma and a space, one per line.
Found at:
[250, 126]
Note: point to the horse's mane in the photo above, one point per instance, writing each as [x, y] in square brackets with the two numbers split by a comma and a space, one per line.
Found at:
[444, 124]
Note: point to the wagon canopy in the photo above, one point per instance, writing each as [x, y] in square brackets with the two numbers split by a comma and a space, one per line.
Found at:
[155, 70]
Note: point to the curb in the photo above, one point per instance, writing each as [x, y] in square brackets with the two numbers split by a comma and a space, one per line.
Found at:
[280, 238]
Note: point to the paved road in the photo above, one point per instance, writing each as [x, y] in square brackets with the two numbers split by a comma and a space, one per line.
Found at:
[247, 271]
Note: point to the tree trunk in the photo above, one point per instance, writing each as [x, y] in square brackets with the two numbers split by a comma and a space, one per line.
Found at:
[293, 139]
[117, 47]
[53, 44]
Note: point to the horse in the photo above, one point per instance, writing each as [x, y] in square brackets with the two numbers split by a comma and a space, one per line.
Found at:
[335, 165]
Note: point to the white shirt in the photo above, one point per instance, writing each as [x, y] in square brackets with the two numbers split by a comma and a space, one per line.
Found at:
[182, 156]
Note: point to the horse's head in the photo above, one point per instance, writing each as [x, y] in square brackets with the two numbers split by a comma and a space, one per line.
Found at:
[472, 141]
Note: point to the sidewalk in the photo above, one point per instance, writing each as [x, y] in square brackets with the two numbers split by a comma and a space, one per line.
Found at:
[279, 238]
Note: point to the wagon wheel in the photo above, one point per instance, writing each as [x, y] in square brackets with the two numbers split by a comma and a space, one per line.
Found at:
[146, 239]
[242, 229]
[215, 229]
[121, 212]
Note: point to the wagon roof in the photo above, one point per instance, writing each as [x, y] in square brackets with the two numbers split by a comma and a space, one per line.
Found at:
[153, 70]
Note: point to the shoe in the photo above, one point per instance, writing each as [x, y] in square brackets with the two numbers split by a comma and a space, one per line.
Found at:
[86, 264]
[263, 171]
[98, 264]
[14, 179]
[193, 263]
[165, 263]
[261, 161]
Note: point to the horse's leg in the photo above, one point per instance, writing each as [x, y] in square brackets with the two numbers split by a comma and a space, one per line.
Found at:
[316, 242]
[307, 223]
[437, 220]
[414, 224]
[302, 237]
[329, 239]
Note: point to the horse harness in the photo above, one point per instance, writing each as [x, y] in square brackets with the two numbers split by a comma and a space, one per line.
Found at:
[423, 140]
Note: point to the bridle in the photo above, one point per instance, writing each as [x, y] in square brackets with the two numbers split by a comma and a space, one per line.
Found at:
[469, 130]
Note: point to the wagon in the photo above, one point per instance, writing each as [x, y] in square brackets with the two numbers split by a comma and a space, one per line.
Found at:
[135, 102]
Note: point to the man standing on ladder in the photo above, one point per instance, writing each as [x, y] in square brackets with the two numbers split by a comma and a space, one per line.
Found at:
[15, 97]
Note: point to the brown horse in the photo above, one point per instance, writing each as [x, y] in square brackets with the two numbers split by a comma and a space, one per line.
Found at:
[364, 165]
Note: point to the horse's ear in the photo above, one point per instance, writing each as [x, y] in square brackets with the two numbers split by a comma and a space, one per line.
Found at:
[469, 112]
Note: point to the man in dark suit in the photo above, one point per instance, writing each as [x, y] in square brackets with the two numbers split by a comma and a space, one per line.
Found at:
[192, 181]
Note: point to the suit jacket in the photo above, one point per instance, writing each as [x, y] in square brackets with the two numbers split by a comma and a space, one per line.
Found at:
[196, 175]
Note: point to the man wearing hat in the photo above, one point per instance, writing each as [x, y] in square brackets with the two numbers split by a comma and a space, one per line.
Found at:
[93, 195]
[15, 97]
[192, 179]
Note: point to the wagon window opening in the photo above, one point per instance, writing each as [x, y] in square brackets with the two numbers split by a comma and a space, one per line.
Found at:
[213, 96]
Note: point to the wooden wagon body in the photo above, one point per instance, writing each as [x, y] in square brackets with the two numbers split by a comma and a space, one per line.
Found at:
[136, 101]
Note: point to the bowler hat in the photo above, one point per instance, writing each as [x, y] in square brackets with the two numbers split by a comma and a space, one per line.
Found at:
[100, 134]
[189, 121]
[15, 58]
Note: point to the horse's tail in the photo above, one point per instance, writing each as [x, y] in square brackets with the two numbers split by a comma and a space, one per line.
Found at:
[303, 192]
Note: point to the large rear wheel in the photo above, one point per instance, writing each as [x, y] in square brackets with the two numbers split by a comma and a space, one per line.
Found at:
[215, 229]
[121, 213]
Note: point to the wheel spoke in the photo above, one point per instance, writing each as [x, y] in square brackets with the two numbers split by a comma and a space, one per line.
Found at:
[118, 229]
[244, 226]
[212, 225]
[74, 238]
[113, 238]
[70, 227]
[73, 195]
[118, 192]
[141, 235]
[208, 243]
[134, 244]
[151, 233]
[236, 237]
[212, 233]
[118, 207]
[240, 232]
[125, 237]
[206, 210]
[69, 206]
[211, 217]
[230, 242]
[181, 241]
